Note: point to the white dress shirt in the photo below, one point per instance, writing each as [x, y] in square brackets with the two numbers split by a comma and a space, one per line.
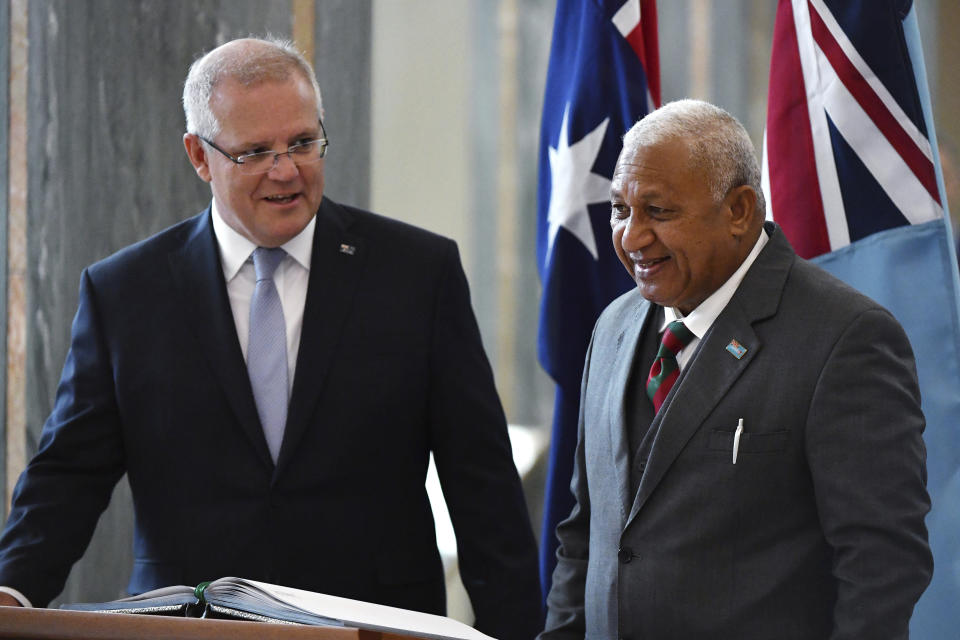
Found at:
[702, 318]
[291, 279]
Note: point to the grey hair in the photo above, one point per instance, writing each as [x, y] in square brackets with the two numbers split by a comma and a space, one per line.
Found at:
[717, 142]
[248, 61]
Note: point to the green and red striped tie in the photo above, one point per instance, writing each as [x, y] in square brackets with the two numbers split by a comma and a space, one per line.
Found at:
[665, 369]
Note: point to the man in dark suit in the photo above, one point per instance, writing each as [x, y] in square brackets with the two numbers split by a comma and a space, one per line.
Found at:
[377, 362]
[763, 475]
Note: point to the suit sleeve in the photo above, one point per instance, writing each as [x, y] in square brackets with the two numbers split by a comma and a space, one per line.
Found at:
[495, 544]
[867, 460]
[565, 602]
[67, 485]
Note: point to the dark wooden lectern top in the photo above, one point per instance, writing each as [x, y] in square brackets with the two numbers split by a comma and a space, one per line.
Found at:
[54, 624]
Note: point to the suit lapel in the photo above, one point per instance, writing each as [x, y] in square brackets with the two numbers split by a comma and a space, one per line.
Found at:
[706, 380]
[335, 268]
[198, 275]
[713, 370]
[615, 404]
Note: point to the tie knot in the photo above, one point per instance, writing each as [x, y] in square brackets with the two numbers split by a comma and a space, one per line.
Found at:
[666, 370]
[676, 336]
[266, 261]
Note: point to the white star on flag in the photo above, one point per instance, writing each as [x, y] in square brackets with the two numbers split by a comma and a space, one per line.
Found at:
[573, 186]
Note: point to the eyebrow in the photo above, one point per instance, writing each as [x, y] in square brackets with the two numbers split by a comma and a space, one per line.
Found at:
[647, 194]
[306, 133]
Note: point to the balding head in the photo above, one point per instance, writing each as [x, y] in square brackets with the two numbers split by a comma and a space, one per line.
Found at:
[247, 61]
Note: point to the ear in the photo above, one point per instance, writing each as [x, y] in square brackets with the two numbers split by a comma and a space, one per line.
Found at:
[197, 154]
[741, 202]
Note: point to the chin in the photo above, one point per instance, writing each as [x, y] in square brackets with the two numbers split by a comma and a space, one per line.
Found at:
[293, 223]
[655, 298]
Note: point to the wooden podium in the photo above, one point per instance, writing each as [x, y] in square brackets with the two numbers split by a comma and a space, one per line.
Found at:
[53, 624]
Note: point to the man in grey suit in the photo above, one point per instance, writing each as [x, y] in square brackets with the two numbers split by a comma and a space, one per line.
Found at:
[773, 484]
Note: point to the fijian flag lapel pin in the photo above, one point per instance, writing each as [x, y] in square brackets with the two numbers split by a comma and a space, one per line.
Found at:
[736, 349]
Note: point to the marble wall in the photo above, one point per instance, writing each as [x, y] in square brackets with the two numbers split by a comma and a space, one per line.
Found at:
[4, 185]
[107, 166]
[341, 42]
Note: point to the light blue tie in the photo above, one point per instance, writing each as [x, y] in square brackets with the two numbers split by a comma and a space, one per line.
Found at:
[267, 349]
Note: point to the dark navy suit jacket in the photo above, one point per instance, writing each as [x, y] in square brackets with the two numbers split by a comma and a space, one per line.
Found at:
[390, 368]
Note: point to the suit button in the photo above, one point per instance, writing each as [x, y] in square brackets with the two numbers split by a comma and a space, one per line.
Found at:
[625, 555]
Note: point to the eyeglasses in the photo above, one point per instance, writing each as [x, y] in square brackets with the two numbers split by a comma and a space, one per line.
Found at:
[264, 161]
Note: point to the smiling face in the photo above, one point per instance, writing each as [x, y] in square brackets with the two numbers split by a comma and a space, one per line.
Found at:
[268, 208]
[675, 240]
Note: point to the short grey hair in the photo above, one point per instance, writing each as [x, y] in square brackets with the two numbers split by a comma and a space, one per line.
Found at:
[717, 141]
[248, 61]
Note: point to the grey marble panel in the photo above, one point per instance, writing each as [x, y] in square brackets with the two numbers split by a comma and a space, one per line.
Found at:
[484, 158]
[342, 57]
[535, 388]
[730, 58]
[674, 41]
[4, 185]
[107, 168]
[533, 391]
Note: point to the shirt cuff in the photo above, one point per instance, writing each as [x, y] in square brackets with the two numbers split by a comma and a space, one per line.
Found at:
[22, 599]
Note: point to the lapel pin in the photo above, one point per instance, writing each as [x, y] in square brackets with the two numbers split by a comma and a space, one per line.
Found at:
[348, 249]
[736, 349]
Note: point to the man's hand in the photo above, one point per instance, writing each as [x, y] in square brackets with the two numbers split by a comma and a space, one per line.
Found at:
[7, 600]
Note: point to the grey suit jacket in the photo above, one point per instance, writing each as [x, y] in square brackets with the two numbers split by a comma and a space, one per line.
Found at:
[816, 532]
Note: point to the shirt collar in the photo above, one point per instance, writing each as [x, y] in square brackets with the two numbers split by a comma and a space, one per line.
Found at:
[236, 249]
[700, 319]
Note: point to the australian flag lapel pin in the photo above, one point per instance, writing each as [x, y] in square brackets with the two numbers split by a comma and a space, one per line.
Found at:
[736, 349]
[348, 249]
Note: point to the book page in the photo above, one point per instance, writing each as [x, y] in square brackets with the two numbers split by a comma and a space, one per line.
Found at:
[163, 592]
[166, 601]
[245, 598]
[366, 615]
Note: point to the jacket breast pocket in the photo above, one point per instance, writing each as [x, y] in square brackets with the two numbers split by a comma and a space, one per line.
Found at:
[750, 442]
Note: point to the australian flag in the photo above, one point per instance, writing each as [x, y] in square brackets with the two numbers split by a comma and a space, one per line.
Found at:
[603, 76]
[851, 173]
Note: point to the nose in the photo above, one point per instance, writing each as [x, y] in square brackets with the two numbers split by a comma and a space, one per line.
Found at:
[637, 234]
[284, 168]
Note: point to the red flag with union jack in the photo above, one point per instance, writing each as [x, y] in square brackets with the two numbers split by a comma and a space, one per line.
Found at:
[851, 174]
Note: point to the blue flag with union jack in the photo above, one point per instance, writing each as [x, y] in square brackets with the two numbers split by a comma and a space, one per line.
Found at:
[852, 175]
[603, 76]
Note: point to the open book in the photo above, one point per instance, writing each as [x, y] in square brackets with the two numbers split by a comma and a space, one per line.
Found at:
[251, 600]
